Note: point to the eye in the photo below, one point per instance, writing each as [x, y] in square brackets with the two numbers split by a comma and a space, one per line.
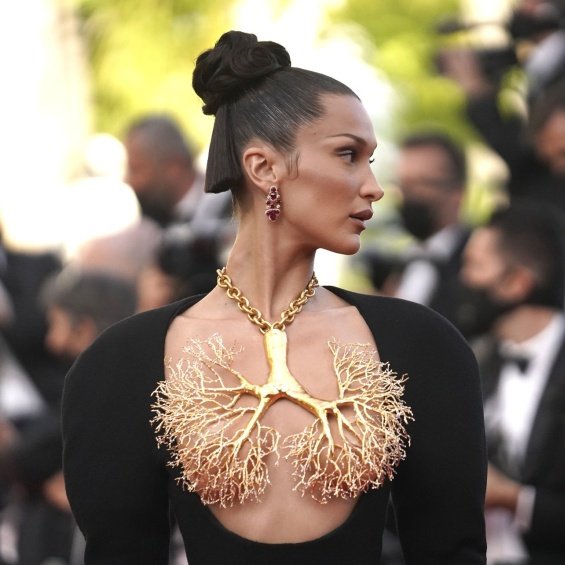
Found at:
[371, 160]
[348, 154]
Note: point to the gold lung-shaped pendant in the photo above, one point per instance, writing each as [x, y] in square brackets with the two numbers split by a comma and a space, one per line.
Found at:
[220, 445]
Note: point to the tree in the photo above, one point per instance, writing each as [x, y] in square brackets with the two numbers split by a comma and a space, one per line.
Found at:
[406, 51]
[142, 56]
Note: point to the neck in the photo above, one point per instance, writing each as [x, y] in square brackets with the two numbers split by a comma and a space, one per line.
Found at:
[269, 272]
[523, 323]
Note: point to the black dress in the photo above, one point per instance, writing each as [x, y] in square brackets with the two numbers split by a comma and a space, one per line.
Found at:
[120, 489]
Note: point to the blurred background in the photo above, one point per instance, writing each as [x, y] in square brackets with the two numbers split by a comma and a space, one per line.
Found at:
[102, 212]
[76, 72]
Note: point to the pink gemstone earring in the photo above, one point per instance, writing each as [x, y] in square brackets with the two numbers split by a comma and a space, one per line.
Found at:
[273, 202]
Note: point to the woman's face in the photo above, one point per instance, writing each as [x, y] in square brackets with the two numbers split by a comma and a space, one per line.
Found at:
[327, 196]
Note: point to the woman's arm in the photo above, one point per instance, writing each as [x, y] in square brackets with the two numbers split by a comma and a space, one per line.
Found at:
[439, 490]
[115, 478]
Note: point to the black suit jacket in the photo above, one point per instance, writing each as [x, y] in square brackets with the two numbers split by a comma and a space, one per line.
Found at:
[446, 298]
[23, 277]
[544, 463]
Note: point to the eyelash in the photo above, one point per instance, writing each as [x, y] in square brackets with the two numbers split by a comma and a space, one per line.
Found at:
[352, 154]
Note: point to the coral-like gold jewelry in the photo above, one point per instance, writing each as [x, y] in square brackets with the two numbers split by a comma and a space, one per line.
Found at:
[221, 446]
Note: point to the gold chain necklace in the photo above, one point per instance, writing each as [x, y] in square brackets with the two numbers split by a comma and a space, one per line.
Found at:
[254, 315]
[222, 447]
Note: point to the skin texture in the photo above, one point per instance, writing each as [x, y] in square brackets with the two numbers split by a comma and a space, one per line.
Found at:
[271, 262]
[486, 267]
[550, 142]
[67, 337]
[158, 180]
[154, 288]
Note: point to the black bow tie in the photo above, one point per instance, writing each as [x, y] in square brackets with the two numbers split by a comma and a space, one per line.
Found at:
[520, 361]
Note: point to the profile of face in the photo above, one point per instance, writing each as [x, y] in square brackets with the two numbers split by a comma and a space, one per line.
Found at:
[329, 187]
[494, 286]
[550, 143]
[484, 266]
[430, 197]
[150, 178]
[66, 337]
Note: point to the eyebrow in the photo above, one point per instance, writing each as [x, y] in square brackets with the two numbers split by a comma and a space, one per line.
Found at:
[352, 136]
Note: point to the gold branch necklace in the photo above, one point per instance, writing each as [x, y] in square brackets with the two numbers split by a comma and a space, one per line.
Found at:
[280, 382]
[222, 445]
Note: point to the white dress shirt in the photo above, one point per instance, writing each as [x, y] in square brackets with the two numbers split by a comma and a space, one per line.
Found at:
[421, 277]
[511, 413]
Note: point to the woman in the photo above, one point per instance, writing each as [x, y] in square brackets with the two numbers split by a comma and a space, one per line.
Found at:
[281, 441]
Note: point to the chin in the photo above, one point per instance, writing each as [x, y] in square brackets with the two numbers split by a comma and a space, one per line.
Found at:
[348, 246]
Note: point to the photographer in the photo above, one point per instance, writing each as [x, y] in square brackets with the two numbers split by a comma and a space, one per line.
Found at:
[541, 24]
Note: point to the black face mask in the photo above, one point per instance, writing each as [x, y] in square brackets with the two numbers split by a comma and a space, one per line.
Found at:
[156, 211]
[477, 312]
[418, 219]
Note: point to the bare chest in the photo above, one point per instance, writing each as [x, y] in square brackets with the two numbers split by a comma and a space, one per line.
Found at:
[326, 417]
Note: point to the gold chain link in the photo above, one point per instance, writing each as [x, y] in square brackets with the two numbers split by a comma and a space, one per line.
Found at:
[254, 315]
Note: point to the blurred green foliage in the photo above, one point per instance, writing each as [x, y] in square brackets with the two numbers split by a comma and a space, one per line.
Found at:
[406, 48]
[142, 55]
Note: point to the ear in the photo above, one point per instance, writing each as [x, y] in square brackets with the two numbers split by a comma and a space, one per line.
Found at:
[263, 165]
[518, 284]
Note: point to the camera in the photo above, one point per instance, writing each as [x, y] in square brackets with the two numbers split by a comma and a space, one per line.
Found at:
[523, 25]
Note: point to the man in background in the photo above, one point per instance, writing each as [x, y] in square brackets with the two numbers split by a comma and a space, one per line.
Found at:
[170, 190]
[537, 29]
[515, 265]
[548, 128]
[431, 177]
[79, 306]
[162, 173]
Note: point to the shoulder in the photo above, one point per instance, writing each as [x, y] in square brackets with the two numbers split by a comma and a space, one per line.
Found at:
[140, 333]
[397, 315]
[413, 338]
[131, 350]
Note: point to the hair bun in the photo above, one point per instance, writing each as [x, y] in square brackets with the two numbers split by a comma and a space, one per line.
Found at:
[235, 63]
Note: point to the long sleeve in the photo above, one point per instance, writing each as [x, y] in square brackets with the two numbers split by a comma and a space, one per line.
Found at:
[115, 477]
[548, 517]
[438, 492]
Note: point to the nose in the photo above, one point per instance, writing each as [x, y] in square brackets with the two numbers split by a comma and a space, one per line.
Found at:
[371, 189]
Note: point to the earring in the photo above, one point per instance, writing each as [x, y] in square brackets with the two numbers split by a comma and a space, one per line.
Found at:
[273, 204]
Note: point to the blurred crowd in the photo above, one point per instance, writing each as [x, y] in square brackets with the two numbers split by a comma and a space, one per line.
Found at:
[501, 283]
[52, 307]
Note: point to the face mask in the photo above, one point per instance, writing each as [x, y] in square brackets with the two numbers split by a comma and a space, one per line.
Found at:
[418, 219]
[478, 311]
[155, 210]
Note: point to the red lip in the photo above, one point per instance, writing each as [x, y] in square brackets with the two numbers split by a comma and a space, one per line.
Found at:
[363, 215]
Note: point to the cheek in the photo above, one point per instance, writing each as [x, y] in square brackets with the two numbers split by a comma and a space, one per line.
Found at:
[326, 188]
[57, 337]
[475, 272]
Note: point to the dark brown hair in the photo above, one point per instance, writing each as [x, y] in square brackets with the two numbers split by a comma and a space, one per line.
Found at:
[531, 234]
[253, 91]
